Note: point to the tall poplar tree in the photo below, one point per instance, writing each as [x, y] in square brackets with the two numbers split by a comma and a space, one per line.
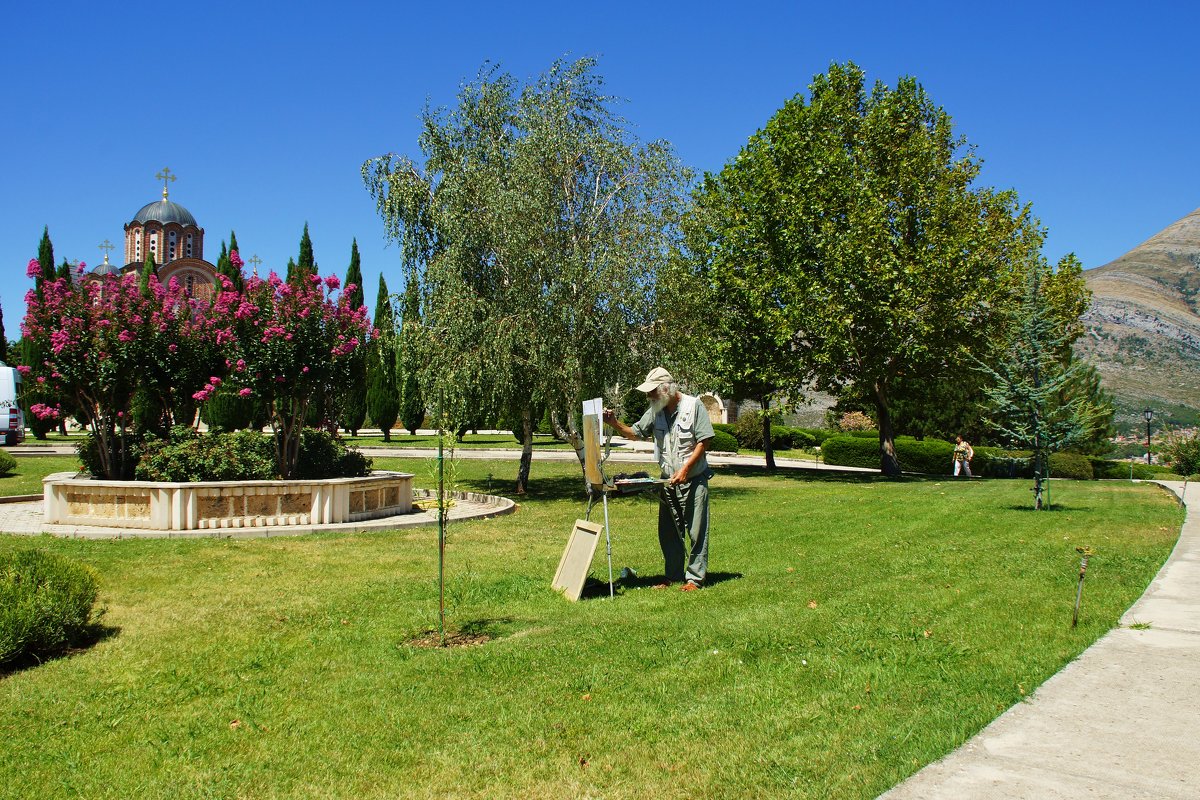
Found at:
[354, 407]
[226, 267]
[3, 339]
[383, 401]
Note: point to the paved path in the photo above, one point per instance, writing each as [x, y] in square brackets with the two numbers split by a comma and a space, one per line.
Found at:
[1121, 722]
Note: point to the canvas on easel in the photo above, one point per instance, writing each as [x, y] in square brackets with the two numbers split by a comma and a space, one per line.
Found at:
[577, 559]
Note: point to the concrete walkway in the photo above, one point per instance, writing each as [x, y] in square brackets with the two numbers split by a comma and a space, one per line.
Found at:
[1121, 722]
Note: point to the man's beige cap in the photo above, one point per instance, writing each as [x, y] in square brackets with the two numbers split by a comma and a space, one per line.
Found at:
[657, 377]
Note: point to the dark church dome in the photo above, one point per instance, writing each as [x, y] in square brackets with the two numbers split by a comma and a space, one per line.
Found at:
[164, 211]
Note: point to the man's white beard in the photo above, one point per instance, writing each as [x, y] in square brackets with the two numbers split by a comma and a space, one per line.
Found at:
[659, 403]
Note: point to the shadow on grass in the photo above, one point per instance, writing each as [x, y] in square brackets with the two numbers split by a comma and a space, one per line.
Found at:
[595, 588]
[91, 636]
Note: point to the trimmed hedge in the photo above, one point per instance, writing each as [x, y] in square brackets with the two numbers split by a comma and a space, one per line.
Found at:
[46, 604]
[1075, 466]
[8, 464]
[723, 441]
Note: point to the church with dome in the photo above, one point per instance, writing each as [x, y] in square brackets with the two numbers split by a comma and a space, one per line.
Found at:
[167, 232]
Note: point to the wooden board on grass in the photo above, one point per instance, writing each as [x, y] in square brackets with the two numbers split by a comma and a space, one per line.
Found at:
[577, 559]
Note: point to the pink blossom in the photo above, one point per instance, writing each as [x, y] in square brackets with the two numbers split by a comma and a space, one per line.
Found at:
[82, 266]
[245, 392]
[24, 370]
[171, 348]
[304, 371]
[235, 259]
[33, 269]
[125, 336]
[332, 282]
[215, 381]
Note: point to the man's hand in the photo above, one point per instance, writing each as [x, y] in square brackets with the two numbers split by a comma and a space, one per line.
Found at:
[610, 417]
[679, 477]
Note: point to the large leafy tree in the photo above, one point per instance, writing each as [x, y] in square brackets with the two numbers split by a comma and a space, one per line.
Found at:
[383, 399]
[886, 266]
[537, 224]
[354, 399]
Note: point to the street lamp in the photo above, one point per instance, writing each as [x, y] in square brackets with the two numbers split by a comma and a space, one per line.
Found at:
[1149, 415]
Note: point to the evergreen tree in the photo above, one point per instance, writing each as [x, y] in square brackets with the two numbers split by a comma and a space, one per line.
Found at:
[233, 245]
[64, 270]
[148, 269]
[306, 265]
[291, 270]
[226, 267]
[383, 401]
[45, 261]
[1031, 402]
[3, 340]
[412, 402]
[354, 410]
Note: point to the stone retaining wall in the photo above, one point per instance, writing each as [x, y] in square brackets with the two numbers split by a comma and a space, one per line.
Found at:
[75, 500]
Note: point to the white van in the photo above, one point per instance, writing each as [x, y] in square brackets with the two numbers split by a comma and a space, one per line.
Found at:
[12, 419]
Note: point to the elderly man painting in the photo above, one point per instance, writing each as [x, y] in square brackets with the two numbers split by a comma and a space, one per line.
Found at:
[682, 432]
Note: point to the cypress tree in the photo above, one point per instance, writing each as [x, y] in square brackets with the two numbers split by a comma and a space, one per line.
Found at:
[383, 401]
[45, 261]
[233, 245]
[64, 270]
[226, 267]
[412, 403]
[306, 265]
[148, 269]
[3, 340]
[354, 411]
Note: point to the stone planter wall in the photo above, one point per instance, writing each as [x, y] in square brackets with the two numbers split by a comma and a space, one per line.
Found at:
[73, 500]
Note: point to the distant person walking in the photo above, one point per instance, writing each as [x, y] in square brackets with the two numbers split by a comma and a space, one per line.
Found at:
[963, 453]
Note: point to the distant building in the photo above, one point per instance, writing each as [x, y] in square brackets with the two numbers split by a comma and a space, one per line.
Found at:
[168, 232]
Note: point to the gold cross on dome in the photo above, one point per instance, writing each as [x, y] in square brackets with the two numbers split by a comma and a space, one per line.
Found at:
[107, 247]
[255, 261]
[166, 177]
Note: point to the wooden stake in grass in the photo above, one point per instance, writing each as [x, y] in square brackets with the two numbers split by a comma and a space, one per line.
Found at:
[1085, 552]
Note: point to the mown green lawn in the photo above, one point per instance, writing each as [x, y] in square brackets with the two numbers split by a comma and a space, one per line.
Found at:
[27, 477]
[853, 630]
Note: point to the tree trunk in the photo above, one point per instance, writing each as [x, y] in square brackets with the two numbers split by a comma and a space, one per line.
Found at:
[768, 450]
[526, 450]
[889, 465]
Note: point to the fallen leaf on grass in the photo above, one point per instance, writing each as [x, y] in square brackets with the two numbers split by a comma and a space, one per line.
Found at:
[586, 697]
[237, 723]
[928, 633]
[812, 603]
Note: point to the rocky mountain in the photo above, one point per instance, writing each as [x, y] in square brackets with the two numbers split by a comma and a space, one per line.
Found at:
[1143, 327]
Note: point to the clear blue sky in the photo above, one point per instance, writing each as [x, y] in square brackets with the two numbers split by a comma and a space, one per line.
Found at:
[1091, 111]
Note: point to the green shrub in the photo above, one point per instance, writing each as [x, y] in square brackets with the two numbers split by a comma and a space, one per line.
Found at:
[88, 451]
[226, 410]
[864, 434]
[819, 435]
[932, 456]
[801, 439]
[1120, 470]
[190, 456]
[7, 464]
[1075, 466]
[323, 455]
[723, 442]
[46, 604]
[994, 462]
[727, 427]
[748, 431]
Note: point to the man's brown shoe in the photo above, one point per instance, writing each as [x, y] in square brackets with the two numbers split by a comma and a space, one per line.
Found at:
[690, 586]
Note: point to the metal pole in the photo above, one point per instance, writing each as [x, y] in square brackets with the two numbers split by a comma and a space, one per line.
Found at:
[441, 532]
[1147, 441]
[608, 544]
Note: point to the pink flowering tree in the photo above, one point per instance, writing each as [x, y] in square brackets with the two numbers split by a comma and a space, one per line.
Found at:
[101, 340]
[296, 343]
